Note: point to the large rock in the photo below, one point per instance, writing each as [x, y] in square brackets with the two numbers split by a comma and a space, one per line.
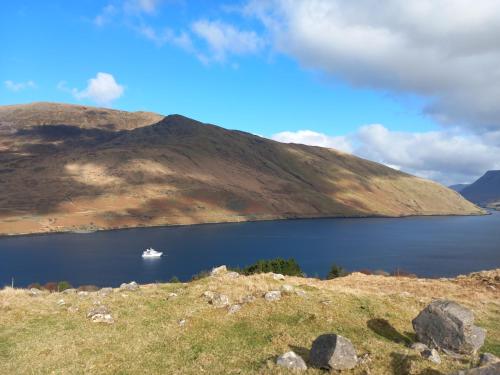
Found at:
[493, 369]
[331, 351]
[218, 270]
[219, 300]
[132, 286]
[291, 361]
[487, 359]
[273, 295]
[448, 326]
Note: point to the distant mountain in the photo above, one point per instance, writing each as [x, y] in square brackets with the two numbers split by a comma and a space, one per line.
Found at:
[458, 187]
[66, 167]
[485, 191]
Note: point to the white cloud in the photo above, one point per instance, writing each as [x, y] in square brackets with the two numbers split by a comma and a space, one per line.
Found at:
[445, 156]
[106, 15]
[224, 39]
[444, 50]
[141, 6]
[309, 137]
[19, 86]
[103, 89]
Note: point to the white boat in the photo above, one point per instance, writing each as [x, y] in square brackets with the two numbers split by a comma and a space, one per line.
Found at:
[151, 253]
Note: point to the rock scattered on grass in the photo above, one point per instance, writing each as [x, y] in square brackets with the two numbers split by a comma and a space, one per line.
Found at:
[234, 309]
[99, 309]
[493, 369]
[69, 291]
[300, 293]
[449, 326]
[233, 275]
[219, 300]
[102, 318]
[82, 293]
[333, 352]
[273, 295]
[247, 299]
[132, 286]
[61, 302]
[291, 361]
[432, 355]
[208, 294]
[218, 270]
[182, 322]
[171, 295]
[33, 292]
[487, 359]
[278, 276]
[419, 347]
[286, 288]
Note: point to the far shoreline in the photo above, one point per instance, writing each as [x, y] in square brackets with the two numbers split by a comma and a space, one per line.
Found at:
[486, 212]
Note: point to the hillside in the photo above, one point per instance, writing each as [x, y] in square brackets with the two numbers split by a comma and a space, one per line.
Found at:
[162, 328]
[458, 187]
[485, 191]
[113, 170]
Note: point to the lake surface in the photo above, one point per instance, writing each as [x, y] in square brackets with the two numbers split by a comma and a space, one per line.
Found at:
[427, 246]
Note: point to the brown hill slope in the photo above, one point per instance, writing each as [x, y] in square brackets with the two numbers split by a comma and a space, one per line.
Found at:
[180, 171]
[15, 117]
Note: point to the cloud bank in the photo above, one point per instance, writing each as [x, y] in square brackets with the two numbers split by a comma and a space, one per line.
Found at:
[445, 156]
[446, 51]
[19, 86]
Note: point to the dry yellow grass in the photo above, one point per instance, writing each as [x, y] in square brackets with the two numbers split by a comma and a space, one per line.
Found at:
[38, 336]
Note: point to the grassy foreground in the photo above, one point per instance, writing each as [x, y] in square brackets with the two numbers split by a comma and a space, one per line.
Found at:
[39, 335]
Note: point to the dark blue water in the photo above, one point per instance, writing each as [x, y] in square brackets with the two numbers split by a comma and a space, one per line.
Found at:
[427, 246]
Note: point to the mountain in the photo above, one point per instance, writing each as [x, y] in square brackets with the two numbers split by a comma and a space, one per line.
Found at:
[90, 168]
[458, 187]
[485, 191]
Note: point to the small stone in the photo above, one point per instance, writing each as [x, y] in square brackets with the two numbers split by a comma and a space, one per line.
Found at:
[234, 309]
[209, 294]
[218, 270]
[219, 300]
[487, 359]
[419, 347]
[233, 275]
[432, 355]
[61, 302]
[278, 276]
[300, 293]
[73, 309]
[132, 286]
[98, 310]
[104, 291]
[82, 293]
[34, 292]
[172, 295]
[493, 369]
[182, 322]
[69, 291]
[285, 288]
[102, 318]
[273, 295]
[291, 361]
[331, 351]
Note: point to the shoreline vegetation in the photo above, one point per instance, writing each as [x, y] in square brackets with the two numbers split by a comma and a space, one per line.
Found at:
[227, 322]
[86, 230]
[286, 267]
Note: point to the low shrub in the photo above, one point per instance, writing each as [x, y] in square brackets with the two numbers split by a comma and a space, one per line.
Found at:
[50, 286]
[35, 286]
[398, 272]
[174, 280]
[335, 271]
[288, 267]
[63, 285]
[200, 275]
[88, 288]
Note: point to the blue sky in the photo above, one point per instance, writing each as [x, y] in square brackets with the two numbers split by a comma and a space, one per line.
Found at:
[257, 66]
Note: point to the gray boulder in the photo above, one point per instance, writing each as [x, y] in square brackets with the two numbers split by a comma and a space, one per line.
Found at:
[98, 310]
[487, 359]
[493, 369]
[273, 295]
[291, 361]
[218, 270]
[432, 355]
[132, 286]
[104, 292]
[219, 300]
[448, 326]
[333, 352]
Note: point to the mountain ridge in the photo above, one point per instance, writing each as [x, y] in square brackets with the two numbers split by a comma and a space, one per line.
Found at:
[176, 171]
[485, 191]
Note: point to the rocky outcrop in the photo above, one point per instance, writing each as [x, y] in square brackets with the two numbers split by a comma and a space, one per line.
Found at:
[333, 352]
[273, 295]
[291, 361]
[450, 327]
[132, 286]
[493, 369]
